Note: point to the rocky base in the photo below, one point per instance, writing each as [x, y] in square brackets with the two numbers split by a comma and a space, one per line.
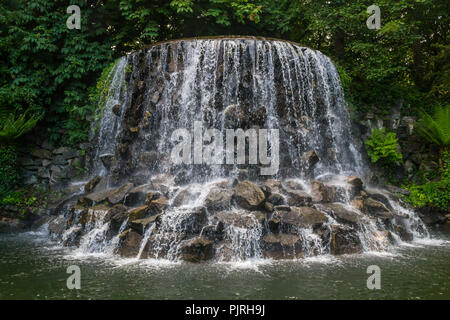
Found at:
[232, 220]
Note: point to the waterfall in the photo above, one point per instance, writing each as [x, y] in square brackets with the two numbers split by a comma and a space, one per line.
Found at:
[227, 84]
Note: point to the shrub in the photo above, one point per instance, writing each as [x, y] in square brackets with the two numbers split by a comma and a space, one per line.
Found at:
[382, 148]
[9, 174]
[435, 193]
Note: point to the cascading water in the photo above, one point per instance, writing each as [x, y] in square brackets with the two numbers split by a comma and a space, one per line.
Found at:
[203, 211]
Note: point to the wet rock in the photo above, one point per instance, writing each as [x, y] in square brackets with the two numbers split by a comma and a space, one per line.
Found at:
[403, 233]
[130, 242]
[57, 226]
[138, 213]
[281, 246]
[107, 160]
[235, 117]
[137, 196]
[88, 187]
[219, 199]
[213, 232]
[183, 197]
[274, 186]
[293, 185]
[344, 240]
[162, 183]
[116, 109]
[322, 193]
[158, 205]
[117, 195]
[196, 250]
[298, 198]
[249, 195]
[356, 185]
[8, 225]
[140, 225]
[310, 158]
[73, 239]
[152, 195]
[377, 209]
[341, 213]
[288, 221]
[276, 199]
[394, 189]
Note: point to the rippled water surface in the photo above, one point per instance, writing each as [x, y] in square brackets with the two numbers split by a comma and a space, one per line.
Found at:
[31, 267]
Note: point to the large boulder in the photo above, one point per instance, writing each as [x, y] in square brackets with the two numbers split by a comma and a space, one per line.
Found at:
[137, 195]
[140, 225]
[196, 250]
[158, 205]
[344, 240]
[322, 192]
[183, 197]
[130, 243]
[88, 187]
[219, 199]
[310, 159]
[298, 198]
[288, 221]
[341, 212]
[248, 195]
[377, 209]
[117, 195]
[281, 246]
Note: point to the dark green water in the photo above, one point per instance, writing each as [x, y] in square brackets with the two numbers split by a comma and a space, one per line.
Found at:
[32, 268]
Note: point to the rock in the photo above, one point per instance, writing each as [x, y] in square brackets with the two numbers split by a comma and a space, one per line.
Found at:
[322, 193]
[281, 246]
[140, 225]
[259, 117]
[239, 218]
[377, 209]
[213, 232]
[152, 195]
[26, 162]
[116, 109]
[394, 189]
[41, 154]
[298, 198]
[235, 117]
[310, 158]
[341, 213]
[183, 197]
[43, 173]
[158, 205]
[138, 213]
[219, 199]
[57, 226]
[274, 186]
[276, 199]
[196, 250]
[137, 196]
[356, 185]
[130, 243]
[162, 183]
[249, 195]
[404, 234]
[73, 239]
[30, 180]
[293, 185]
[344, 240]
[107, 160]
[8, 225]
[88, 187]
[296, 217]
[117, 195]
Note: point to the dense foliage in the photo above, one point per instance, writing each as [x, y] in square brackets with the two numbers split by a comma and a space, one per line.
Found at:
[46, 67]
[434, 193]
[383, 147]
[9, 172]
[436, 128]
